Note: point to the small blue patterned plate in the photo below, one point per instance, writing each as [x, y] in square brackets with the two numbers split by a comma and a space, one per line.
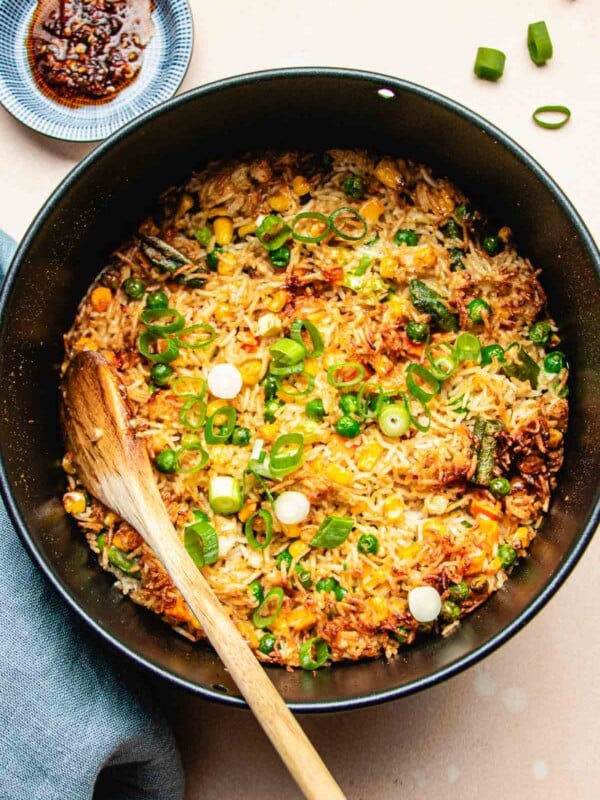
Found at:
[165, 63]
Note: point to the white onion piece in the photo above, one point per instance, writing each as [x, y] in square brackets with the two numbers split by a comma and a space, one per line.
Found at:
[424, 603]
[291, 507]
[256, 449]
[225, 381]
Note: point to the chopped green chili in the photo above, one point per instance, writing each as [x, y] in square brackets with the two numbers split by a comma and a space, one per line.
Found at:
[205, 333]
[313, 216]
[216, 431]
[352, 213]
[468, 347]
[147, 339]
[319, 647]
[442, 358]
[357, 370]
[189, 386]
[269, 609]
[193, 413]
[273, 232]
[250, 533]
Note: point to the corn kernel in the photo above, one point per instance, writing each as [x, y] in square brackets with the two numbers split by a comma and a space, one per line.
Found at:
[311, 366]
[382, 365]
[388, 267]
[300, 185]
[378, 608]
[278, 301]
[280, 626]
[387, 173]
[522, 535]
[423, 255]
[339, 475]
[433, 528]
[410, 551]
[489, 528]
[368, 456]
[279, 202]
[555, 438]
[372, 209]
[186, 201]
[74, 502]
[291, 531]
[213, 406]
[223, 311]
[485, 507]
[101, 298]
[226, 265]
[251, 372]
[374, 579]
[298, 548]
[269, 432]
[246, 230]
[217, 211]
[494, 565]
[248, 632]
[246, 511]
[269, 325]
[68, 465]
[109, 519]
[223, 228]
[505, 234]
[118, 541]
[393, 508]
[398, 306]
[299, 619]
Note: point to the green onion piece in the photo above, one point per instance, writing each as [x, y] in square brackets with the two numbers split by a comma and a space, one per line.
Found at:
[489, 63]
[193, 413]
[353, 187]
[394, 420]
[101, 541]
[304, 576]
[468, 347]
[286, 454]
[315, 217]
[205, 333]
[203, 236]
[551, 110]
[351, 212]
[363, 265]
[356, 370]
[273, 232]
[220, 433]
[291, 391]
[278, 370]
[444, 363]
[315, 409]
[416, 418]
[150, 316]
[414, 371]
[318, 346]
[118, 559]
[319, 647]
[201, 541]
[369, 400]
[540, 332]
[333, 532]
[188, 386]
[427, 300]
[287, 352]
[269, 609]
[200, 462]
[539, 43]
[200, 516]
[250, 533]
[147, 339]
[525, 370]
[225, 495]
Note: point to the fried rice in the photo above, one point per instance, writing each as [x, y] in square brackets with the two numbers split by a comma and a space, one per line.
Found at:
[425, 507]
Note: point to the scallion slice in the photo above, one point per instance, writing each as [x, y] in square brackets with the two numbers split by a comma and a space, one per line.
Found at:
[201, 541]
[353, 369]
[369, 400]
[394, 420]
[287, 352]
[489, 63]
[318, 346]
[286, 454]
[203, 332]
[250, 532]
[416, 371]
[315, 216]
[468, 347]
[193, 413]
[217, 431]
[442, 359]
[415, 418]
[269, 609]
[188, 386]
[352, 216]
[278, 370]
[566, 112]
[319, 647]
[539, 43]
[225, 495]
[333, 532]
[147, 339]
[273, 232]
[199, 459]
[151, 318]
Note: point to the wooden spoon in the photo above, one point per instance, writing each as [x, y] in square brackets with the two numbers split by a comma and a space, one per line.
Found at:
[115, 467]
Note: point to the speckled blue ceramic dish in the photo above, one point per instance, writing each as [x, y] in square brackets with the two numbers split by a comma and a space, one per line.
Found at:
[165, 63]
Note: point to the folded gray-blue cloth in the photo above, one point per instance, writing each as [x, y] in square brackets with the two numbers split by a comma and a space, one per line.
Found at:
[70, 727]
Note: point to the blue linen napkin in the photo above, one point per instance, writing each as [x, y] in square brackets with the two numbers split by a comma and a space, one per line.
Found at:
[71, 729]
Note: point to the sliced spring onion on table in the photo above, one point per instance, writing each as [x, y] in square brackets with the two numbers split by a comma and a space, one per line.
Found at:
[394, 420]
[273, 232]
[225, 381]
[313, 653]
[333, 532]
[201, 541]
[352, 369]
[551, 125]
[269, 609]
[250, 532]
[225, 495]
[318, 346]
[310, 219]
[292, 507]
[539, 43]
[220, 425]
[489, 63]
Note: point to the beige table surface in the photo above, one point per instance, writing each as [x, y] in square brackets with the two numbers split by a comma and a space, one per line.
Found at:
[524, 724]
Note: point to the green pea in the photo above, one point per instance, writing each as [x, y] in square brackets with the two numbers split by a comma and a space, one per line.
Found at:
[284, 557]
[354, 187]
[240, 436]
[407, 236]
[507, 555]
[459, 592]
[161, 373]
[339, 592]
[540, 333]
[272, 406]
[555, 362]
[266, 644]
[157, 300]
[491, 245]
[166, 461]
[203, 235]
[304, 576]
[326, 584]
[462, 212]
[270, 385]
[450, 611]
[256, 590]
[349, 403]
[134, 288]
[368, 544]
[200, 516]
[315, 409]
[499, 487]
[212, 258]
[347, 427]
[280, 258]
[475, 308]
[452, 230]
[417, 331]
[491, 352]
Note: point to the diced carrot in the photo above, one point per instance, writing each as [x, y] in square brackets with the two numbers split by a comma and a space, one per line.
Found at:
[486, 508]
[101, 298]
